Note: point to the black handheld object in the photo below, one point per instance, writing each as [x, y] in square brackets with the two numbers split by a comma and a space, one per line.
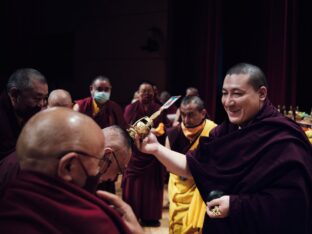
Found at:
[214, 194]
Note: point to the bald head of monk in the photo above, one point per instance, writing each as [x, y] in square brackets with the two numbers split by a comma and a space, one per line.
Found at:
[63, 143]
[60, 97]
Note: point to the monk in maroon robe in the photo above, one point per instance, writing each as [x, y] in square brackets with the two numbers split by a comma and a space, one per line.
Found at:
[9, 166]
[99, 107]
[144, 178]
[26, 94]
[37, 203]
[61, 165]
[254, 170]
[103, 111]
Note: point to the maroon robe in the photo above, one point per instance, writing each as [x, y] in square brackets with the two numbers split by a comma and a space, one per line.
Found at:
[9, 168]
[9, 127]
[265, 167]
[37, 203]
[144, 178]
[177, 139]
[110, 114]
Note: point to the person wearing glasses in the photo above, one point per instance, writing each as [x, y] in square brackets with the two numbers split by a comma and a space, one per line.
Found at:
[103, 111]
[119, 145]
[254, 171]
[61, 164]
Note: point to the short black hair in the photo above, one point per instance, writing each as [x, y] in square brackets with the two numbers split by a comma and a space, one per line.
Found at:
[101, 78]
[256, 75]
[145, 82]
[193, 99]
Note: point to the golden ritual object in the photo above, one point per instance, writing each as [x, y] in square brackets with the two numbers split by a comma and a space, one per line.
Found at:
[216, 211]
[143, 126]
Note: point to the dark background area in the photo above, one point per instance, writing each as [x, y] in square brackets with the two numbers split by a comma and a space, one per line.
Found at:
[174, 44]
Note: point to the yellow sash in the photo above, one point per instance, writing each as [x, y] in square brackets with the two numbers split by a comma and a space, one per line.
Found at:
[95, 108]
[186, 209]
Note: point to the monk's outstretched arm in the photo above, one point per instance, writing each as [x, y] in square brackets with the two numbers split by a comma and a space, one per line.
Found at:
[174, 162]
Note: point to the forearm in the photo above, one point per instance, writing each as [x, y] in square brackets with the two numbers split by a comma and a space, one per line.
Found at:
[174, 162]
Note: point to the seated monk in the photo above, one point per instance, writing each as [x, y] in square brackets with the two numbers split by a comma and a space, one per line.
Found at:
[61, 165]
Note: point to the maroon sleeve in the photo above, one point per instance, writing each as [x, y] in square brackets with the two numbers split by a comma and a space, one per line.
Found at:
[128, 113]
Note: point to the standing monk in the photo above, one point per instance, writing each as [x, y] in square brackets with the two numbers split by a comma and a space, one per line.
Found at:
[26, 94]
[259, 159]
[102, 110]
[144, 178]
[187, 209]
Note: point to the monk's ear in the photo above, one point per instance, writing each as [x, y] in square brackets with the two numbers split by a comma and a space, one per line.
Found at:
[204, 113]
[262, 93]
[65, 167]
[14, 94]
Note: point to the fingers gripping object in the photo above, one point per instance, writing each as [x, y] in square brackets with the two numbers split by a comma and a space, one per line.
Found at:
[213, 195]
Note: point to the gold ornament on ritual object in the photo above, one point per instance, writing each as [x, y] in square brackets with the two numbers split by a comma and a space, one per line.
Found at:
[143, 126]
[216, 211]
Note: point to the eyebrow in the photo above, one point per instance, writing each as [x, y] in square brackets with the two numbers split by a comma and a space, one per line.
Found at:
[233, 89]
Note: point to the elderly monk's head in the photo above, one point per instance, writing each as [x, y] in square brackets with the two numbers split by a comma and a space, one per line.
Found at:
[244, 92]
[60, 97]
[28, 91]
[66, 144]
[118, 144]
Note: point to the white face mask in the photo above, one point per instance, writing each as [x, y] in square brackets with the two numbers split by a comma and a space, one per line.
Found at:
[101, 97]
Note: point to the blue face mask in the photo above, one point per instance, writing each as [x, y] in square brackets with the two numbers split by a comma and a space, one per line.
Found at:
[101, 97]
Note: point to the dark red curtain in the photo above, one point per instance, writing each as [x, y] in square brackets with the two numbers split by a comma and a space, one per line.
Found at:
[210, 59]
[282, 51]
[195, 45]
[210, 36]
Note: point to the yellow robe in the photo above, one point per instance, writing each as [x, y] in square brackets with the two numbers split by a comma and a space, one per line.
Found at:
[186, 208]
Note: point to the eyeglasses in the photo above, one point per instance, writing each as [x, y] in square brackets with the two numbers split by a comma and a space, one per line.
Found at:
[102, 161]
[121, 170]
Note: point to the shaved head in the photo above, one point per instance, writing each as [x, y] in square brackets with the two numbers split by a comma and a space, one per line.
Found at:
[60, 97]
[51, 133]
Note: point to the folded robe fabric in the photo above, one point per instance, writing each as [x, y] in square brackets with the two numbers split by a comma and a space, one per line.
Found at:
[37, 203]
